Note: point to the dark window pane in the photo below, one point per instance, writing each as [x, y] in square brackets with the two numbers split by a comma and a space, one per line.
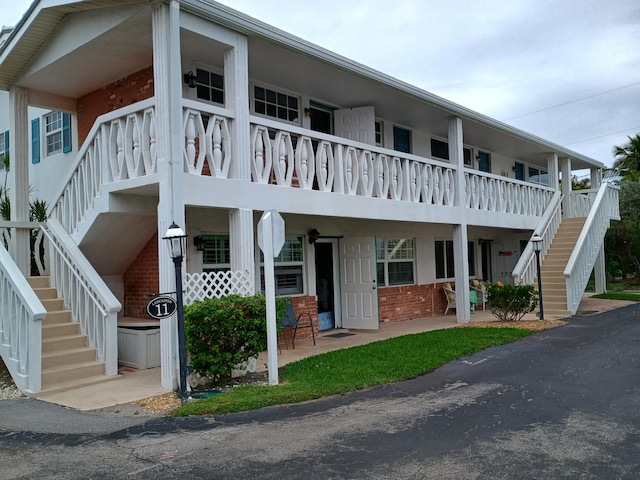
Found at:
[282, 99]
[259, 92]
[271, 96]
[217, 81]
[217, 96]
[282, 113]
[293, 115]
[203, 92]
[439, 149]
[202, 76]
[293, 103]
[449, 255]
[440, 273]
[400, 273]
[260, 107]
[271, 110]
[380, 273]
[472, 259]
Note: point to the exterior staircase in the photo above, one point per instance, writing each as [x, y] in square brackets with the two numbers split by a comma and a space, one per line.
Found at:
[554, 285]
[67, 360]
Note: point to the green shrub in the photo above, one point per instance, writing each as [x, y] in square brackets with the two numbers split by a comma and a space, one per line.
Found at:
[224, 332]
[511, 302]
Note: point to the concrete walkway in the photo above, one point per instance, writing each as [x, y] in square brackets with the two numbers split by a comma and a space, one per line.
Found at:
[137, 385]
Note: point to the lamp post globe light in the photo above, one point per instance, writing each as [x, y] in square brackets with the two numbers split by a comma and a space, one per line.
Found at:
[536, 240]
[176, 241]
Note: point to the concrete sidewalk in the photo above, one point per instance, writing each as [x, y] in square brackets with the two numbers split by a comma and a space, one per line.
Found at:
[136, 385]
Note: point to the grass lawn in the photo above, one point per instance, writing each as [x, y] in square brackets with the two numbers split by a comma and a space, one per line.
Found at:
[355, 368]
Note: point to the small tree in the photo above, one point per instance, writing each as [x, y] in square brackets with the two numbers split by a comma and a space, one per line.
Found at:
[511, 302]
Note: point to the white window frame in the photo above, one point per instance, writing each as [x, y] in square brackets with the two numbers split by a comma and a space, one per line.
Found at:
[53, 133]
[539, 174]
[287, 267]
[216, 266]
[199, 84]
[389, 257]
[468, 159]
[277, 91]
[449, 243]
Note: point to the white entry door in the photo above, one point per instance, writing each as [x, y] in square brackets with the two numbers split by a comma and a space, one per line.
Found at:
[358, 283]
[358, 124]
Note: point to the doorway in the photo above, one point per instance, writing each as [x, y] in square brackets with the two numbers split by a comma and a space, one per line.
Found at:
[326, 284]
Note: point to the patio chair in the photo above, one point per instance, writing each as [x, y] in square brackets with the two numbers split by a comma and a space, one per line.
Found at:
[292, 323]
[481, 292]
[450, 294]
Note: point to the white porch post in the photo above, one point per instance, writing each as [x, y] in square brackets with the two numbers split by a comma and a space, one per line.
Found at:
[168, 93]
[19, 177]
[565, 169]
[599, 269]
[236, 81]
[552, 170]
[241, 239]
[236, 91]
[460, 253]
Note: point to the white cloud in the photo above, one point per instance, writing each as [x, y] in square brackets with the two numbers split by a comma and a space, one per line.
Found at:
[503, 59]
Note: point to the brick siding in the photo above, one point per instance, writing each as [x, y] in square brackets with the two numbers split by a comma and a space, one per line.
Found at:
[140, 279]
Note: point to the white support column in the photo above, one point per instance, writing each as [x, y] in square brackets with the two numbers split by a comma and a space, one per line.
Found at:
[600, 272]
[460, 252]
[236, 91]
[168, 94]
[19, 176]
[552, 170]
[596, 177]
[241, 239]
[565, 169]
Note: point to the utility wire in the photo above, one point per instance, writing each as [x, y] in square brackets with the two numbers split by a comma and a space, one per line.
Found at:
[602, 136]
[573, 101]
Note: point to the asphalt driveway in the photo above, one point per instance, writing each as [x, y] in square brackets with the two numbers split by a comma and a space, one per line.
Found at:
[563, 403]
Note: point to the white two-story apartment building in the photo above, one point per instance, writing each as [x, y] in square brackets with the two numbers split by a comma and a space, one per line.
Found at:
[127, 115]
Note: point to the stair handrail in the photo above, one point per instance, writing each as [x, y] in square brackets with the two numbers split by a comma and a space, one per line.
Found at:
[578, 270]
[21, 315]
[526, 269]
[85, 294]
[93, 166]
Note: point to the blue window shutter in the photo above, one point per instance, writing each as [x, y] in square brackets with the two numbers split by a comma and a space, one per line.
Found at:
[6, 147]
[66, 132]
[35, 140]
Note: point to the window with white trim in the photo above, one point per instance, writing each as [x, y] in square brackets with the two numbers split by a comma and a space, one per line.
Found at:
[53, 133]
[440, 149]
[275, 104]
[288, 266]
[445, 263]
[379, 132]
[537, 175]
[209, 86]
[216, 253]
[395, 261]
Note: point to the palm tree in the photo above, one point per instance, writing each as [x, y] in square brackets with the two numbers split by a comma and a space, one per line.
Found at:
[628, 158]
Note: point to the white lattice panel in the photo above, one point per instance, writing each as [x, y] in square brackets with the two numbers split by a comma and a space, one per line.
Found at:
[198, 286]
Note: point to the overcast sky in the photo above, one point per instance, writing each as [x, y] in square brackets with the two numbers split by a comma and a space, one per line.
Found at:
[565, 70]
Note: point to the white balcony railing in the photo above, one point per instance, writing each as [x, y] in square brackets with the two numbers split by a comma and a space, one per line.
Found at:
[120, 146]
[21, 315]
[604, 209]
[525, 270]
[85, 294]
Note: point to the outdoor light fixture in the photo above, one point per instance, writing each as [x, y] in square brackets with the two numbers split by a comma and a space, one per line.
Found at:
[198, 242]
[313, 235]
[536, 240]
[190, 79]
[176, 241]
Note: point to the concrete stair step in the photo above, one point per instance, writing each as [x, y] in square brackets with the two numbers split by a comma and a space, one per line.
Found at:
[38, 282]
[63, 343]
[60, 316]
[50, 331]
[53, 304]
[68, 357]
[46, 293]
[78, 383]
[65, 373]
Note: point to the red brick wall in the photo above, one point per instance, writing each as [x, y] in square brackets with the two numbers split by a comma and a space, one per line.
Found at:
[303, 305]
[140, 279]
[126, 91]
[410, 301]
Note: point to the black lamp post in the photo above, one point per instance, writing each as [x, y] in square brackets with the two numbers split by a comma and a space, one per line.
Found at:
[177, 242]
[537, 247]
